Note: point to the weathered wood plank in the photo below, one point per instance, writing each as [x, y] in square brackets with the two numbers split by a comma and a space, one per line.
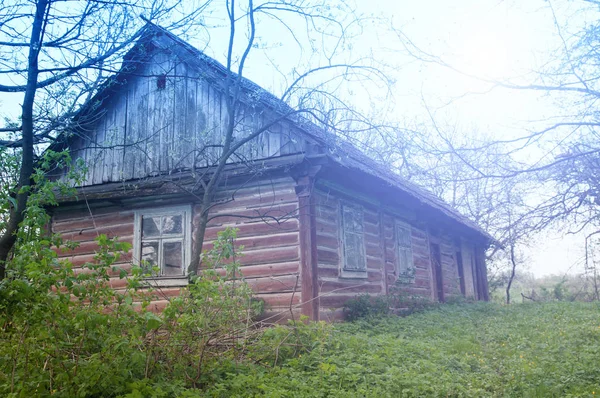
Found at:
[130, 131]
[143, 116]
[274, 284]
[256, 229]
[92, 222]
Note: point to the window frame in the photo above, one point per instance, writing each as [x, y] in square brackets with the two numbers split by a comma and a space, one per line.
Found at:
[348, 273]
[407, 276]
[186, 212]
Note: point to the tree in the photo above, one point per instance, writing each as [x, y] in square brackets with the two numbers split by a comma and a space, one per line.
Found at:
[56, 54]
[73, 50]
[554, 160]
[315, 94]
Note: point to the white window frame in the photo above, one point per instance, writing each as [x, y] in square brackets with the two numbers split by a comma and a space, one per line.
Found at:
[186, 211]
[407, 275]
[345, 273]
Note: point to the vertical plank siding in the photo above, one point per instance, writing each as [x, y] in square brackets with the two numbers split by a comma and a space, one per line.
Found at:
[145, 130]
[468, 255]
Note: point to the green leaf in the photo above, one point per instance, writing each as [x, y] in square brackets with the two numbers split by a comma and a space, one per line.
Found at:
[153, 321]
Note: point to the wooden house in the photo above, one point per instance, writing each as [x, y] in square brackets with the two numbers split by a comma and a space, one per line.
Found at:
[320, 221]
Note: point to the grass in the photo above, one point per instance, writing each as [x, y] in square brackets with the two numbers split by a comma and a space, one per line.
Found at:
[476, 350]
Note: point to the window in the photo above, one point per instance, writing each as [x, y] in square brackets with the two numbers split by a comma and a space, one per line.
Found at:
[405, 264]
[353, 242]
[162, 239]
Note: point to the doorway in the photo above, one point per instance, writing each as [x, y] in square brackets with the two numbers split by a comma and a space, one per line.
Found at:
[436, 268]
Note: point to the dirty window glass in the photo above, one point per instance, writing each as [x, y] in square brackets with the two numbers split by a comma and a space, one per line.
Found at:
[353, 239]
[150, 226]
[149, 254]
[172, 225]
[404, 251]
[162, 243]
[172, 258]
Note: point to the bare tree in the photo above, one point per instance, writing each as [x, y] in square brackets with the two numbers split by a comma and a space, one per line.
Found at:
[313, 96]
[55, 55]
[553, 163]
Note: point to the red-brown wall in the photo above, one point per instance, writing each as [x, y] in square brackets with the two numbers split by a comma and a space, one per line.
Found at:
[333, 290]
[380, 242]
[270, 258]
[270, 233]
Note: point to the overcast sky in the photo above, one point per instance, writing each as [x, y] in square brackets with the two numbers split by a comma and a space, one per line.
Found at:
[484, 38]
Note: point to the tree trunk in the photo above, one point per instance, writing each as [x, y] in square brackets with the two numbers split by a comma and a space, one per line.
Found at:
[512, 272]
[199, 239]
[8, 239]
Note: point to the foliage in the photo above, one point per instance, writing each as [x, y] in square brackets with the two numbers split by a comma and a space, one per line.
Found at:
[65, 331]
[365, 306]
[398, 301]
[568, 287]
[532, 350]
[281, 343]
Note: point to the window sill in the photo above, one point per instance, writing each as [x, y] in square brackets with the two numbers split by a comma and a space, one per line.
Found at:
[353, 274]
[167, 281]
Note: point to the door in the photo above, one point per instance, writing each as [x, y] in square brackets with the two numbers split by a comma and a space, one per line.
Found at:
[461, 272]
[436, 268]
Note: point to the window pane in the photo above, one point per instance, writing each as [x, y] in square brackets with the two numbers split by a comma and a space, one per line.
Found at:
[149, 254]
[404, 237]
[172, 225]
[352, 218]
[354, 253]
[150, 227]
[404, 260]
[172, 258]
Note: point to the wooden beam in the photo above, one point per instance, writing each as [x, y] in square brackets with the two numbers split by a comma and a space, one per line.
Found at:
[482, 282]
[308, 243]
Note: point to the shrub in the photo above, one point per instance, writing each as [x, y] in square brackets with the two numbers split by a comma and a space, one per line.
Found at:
[364, 305]
[68, 333]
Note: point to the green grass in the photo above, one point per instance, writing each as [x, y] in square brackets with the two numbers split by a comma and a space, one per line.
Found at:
[476, 350]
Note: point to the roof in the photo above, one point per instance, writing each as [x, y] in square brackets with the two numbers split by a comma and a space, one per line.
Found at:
[347, 155]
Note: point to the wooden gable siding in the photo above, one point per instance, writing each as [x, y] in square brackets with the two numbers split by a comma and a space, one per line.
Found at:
[269, 259]
[143, 130]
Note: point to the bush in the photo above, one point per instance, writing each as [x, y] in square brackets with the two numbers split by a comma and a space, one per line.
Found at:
[457, 350]
[68, 333]
[364, 306]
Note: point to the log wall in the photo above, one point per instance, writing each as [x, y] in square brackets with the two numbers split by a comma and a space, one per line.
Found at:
[334, 290]
[381, 252]
[266, 214]
[422, 284]
[268, 232]
[271, 255]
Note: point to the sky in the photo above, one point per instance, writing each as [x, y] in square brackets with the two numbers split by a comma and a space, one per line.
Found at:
[481, 38]
[488, 39]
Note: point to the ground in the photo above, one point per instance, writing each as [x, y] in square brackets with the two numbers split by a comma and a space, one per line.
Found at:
[470, 350]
